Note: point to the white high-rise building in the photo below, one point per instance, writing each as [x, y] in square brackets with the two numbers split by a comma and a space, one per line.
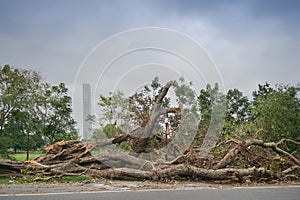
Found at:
[86, 97]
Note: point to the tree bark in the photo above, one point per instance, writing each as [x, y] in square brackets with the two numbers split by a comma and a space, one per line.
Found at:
[186, 171]
[154, 115]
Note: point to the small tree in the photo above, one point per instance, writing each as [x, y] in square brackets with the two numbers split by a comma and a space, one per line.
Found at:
[57, 123]
[115, 110]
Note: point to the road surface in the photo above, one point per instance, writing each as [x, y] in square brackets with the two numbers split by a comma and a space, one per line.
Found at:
[257, 193]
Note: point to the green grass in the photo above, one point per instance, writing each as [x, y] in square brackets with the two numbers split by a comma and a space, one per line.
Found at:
[11, 180]
[67, 179]
[21, 156]
[4, 180]
[30, 179]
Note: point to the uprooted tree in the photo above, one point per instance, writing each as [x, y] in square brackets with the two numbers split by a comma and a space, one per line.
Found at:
[237, 154]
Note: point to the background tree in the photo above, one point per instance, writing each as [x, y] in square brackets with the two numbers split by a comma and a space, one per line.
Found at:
[115, 110]
[237, 114]
[17, 90]
[211, 104]
[56, 114]
[259, 96]
[184, 123]
[17, 94]
[32, 110]
[276, 111]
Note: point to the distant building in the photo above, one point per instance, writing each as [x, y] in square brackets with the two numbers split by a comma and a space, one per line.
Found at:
[86, 97]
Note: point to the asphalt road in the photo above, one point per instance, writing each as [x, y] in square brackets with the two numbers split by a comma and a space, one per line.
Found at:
[259, 193]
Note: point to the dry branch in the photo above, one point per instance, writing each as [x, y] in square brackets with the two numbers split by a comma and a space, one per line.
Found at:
[228, 158]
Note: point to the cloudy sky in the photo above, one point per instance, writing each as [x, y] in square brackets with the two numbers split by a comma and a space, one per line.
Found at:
[250, 41]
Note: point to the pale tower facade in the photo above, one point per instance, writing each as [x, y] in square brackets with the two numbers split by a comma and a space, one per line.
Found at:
[86, 97]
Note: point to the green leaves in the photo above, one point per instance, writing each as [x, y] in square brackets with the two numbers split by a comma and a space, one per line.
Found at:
[277, 111]
[56, 108]
[29, 106]
[209, 99]
[112, 131]
[273, 111]
[184, 93]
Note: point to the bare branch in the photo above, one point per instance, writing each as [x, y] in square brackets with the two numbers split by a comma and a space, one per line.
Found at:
[164, 92]
[242, 145]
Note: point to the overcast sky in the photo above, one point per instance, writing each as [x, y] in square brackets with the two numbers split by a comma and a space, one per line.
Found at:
[251, 41]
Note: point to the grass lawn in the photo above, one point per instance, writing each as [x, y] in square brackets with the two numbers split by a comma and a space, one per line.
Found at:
[30, 179]
[21, 156]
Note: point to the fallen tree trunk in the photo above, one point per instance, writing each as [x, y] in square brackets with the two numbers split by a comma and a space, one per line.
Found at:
[182, 171]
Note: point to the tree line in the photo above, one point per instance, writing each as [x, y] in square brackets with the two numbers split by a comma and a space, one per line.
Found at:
[33, 113]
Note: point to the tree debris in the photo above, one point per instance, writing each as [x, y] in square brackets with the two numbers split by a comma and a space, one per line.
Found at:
[74, 157]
